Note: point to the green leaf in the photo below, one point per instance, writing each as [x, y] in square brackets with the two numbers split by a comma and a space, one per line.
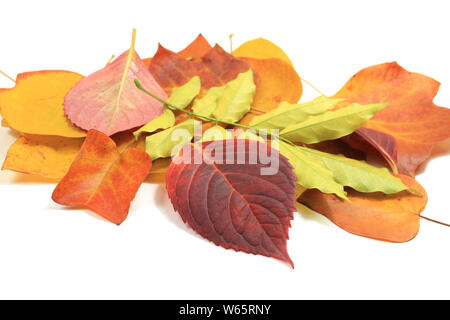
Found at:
[164, 121]
[358, 174]
[237, 98]
[311, 174]
[287, 114]
[216, 133]
[183, 96]
[331, 125]
[168, 142]
[206, 105]
[250, 135]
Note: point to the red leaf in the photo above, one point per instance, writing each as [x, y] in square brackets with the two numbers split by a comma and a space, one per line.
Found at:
[234, 205]
[102, 179]
[373, 141]
[194, 51]
[108, 99]
[215, 68]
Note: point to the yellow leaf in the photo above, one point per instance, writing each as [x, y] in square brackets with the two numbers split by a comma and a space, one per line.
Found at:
[261, 49]
[35, 104]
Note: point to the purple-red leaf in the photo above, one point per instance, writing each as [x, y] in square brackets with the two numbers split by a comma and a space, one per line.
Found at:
[373, 141]
[234, 204]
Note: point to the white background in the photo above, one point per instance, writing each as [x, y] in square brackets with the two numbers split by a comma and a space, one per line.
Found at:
[50, 252]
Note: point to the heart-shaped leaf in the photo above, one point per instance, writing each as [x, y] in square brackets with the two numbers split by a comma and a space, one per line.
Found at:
[102, 179]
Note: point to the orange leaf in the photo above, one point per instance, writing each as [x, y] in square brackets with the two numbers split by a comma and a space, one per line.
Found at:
[102, 179]
[47, 156]
[51, 156]
[276, 81]
[261, 49]
[412, 118]
[393, 218]
[35, 104]
[196, 49]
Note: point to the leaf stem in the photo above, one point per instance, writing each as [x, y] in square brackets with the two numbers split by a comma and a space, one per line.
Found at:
[192, 114]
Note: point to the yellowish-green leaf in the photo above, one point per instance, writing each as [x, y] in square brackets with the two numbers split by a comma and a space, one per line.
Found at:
[169, 141]
[164, 121]
[250, 135]
[358, 174]
[182, 96]
[287, 114]
[206, 105]
[216, 133]
[237, 98]
[311, 174]
[331, 125]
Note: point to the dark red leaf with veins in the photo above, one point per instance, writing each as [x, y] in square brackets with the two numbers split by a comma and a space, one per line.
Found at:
[373, 141]
[234, 205]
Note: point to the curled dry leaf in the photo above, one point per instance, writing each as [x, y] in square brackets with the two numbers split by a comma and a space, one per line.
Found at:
[393, 218]
[35, 104]
[372, 142]
[102, 179]
[234, 205]
[108, 99]
[412, 118]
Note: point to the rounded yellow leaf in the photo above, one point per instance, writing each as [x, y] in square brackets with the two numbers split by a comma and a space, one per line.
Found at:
[261, 49]
[35, 104]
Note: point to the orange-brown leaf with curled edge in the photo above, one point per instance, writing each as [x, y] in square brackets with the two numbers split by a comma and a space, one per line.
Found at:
[103, 179]
[393, 218]
[412, 118]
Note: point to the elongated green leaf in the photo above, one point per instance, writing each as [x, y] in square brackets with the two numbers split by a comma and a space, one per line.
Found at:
[358, 174]
[310, 172]
[164, 121]
[287, 114]
[331, 125]
[168, 142]
[182, 96]
[206, 105]
[237, 98]
[216, 133]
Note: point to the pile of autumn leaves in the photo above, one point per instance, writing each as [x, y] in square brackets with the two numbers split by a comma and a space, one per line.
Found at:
[101, 137]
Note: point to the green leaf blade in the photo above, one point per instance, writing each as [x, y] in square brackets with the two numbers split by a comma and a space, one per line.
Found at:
[164, 121]
[237, 98]
[358, 174]
[310, 173]
[164, 143]
[182, 96]
[331, 125]
[287, 114]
